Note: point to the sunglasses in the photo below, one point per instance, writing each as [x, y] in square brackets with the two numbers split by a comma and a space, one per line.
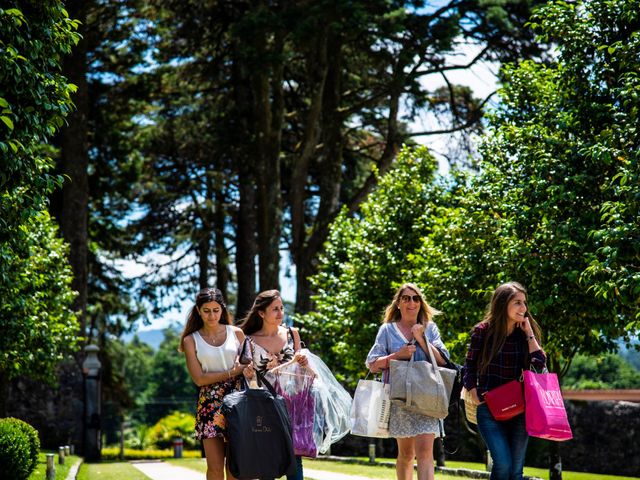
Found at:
[406, 298]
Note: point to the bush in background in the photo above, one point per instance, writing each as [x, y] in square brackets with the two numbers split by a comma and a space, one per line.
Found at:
[138, 437]
[19, 447]
[113, 453]
[176, 424]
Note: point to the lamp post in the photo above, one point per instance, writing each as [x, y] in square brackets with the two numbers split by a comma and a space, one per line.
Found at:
[91, 372]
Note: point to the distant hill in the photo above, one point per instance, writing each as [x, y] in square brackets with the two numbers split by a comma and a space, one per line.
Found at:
[631, 355]
[153, 338]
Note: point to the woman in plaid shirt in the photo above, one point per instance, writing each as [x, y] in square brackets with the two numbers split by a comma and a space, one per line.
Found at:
[504, 343]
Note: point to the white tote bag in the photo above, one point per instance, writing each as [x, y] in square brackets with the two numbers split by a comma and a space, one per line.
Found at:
[370, 409]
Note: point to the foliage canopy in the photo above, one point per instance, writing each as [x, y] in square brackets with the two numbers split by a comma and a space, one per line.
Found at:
[37, 326]
[549, 207]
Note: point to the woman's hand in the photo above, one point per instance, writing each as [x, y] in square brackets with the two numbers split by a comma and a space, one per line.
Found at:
[406, 351]
[273, 361]
[301, 358]
[525, 325]
[249, 372]
[475, 398]
[418, 331]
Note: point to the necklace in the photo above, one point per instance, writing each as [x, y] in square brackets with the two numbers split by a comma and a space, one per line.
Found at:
[212, 337]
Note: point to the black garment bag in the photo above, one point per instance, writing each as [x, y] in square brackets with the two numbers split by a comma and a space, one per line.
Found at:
[259, 438]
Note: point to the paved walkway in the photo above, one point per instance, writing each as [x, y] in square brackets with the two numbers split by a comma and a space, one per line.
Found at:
[73, 471]
[166, 471]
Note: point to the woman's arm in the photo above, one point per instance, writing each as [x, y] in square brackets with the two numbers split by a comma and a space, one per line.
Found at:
[429, 337]
[379, 356]
[537, 357]
[199, 377]
[470, 378]
[301, 358]
[239, 334]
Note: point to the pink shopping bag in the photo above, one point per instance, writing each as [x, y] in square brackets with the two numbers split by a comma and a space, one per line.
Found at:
[545, 415]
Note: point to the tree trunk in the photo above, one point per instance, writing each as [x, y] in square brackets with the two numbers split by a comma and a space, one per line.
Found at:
[306, 249]
[246, 250]
[75, 161]
[318, 69]
[222, 255]
[4, 393]
[266, 84]
[246, 221]
[203, 260]
[304, 271]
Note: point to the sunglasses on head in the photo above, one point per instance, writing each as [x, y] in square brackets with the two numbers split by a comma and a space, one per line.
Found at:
[406, 298]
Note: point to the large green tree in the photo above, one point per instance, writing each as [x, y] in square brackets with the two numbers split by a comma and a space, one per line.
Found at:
[37, 325]
[368, 256]
[292, 104]
[557, 166]
[548, 208]
[540, 209]
[98, 161]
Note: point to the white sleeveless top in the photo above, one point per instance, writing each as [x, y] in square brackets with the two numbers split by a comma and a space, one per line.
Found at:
[217, 359]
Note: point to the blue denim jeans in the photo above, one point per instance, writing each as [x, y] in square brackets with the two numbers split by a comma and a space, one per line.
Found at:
[298, 475]
[507, 443]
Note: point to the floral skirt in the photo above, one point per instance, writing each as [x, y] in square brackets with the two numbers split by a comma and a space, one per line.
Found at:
[404, 423]
[210, 422]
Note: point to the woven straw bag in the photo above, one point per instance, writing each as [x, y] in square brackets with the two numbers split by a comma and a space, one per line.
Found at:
[470, 408]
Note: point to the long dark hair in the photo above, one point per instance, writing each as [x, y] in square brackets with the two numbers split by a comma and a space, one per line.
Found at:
[498, 321]
[194, 320]
[252, 322]
[392, 312]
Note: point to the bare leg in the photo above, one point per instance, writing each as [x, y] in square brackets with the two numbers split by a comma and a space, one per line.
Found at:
[424, 455]
[214, 451]
[406, 454]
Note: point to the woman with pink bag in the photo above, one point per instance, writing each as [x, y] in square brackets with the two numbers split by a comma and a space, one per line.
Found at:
[503, 345]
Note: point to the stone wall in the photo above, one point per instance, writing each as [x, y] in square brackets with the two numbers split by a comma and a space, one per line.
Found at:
[54, 411]
[605, 440]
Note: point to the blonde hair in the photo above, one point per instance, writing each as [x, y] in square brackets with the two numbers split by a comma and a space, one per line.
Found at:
[392, 312]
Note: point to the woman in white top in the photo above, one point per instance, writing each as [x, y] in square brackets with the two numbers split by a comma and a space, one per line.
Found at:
[210, 345]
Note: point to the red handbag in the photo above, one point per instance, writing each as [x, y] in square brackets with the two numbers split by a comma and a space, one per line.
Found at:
[505, 401]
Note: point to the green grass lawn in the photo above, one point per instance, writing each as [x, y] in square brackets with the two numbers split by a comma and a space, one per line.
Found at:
[384, 472]
[125, 471]
[544, 473]
[110, 471]
[40, 473]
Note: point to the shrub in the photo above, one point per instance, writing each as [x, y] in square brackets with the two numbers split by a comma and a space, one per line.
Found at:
[113, 453]
[19, 447]
[176, 424]
[138, 437]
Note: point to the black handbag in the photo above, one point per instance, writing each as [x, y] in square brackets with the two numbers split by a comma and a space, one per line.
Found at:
[259, 438]
[457, 382]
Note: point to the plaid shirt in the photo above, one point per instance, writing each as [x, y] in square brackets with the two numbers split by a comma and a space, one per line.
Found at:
[507, 365]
